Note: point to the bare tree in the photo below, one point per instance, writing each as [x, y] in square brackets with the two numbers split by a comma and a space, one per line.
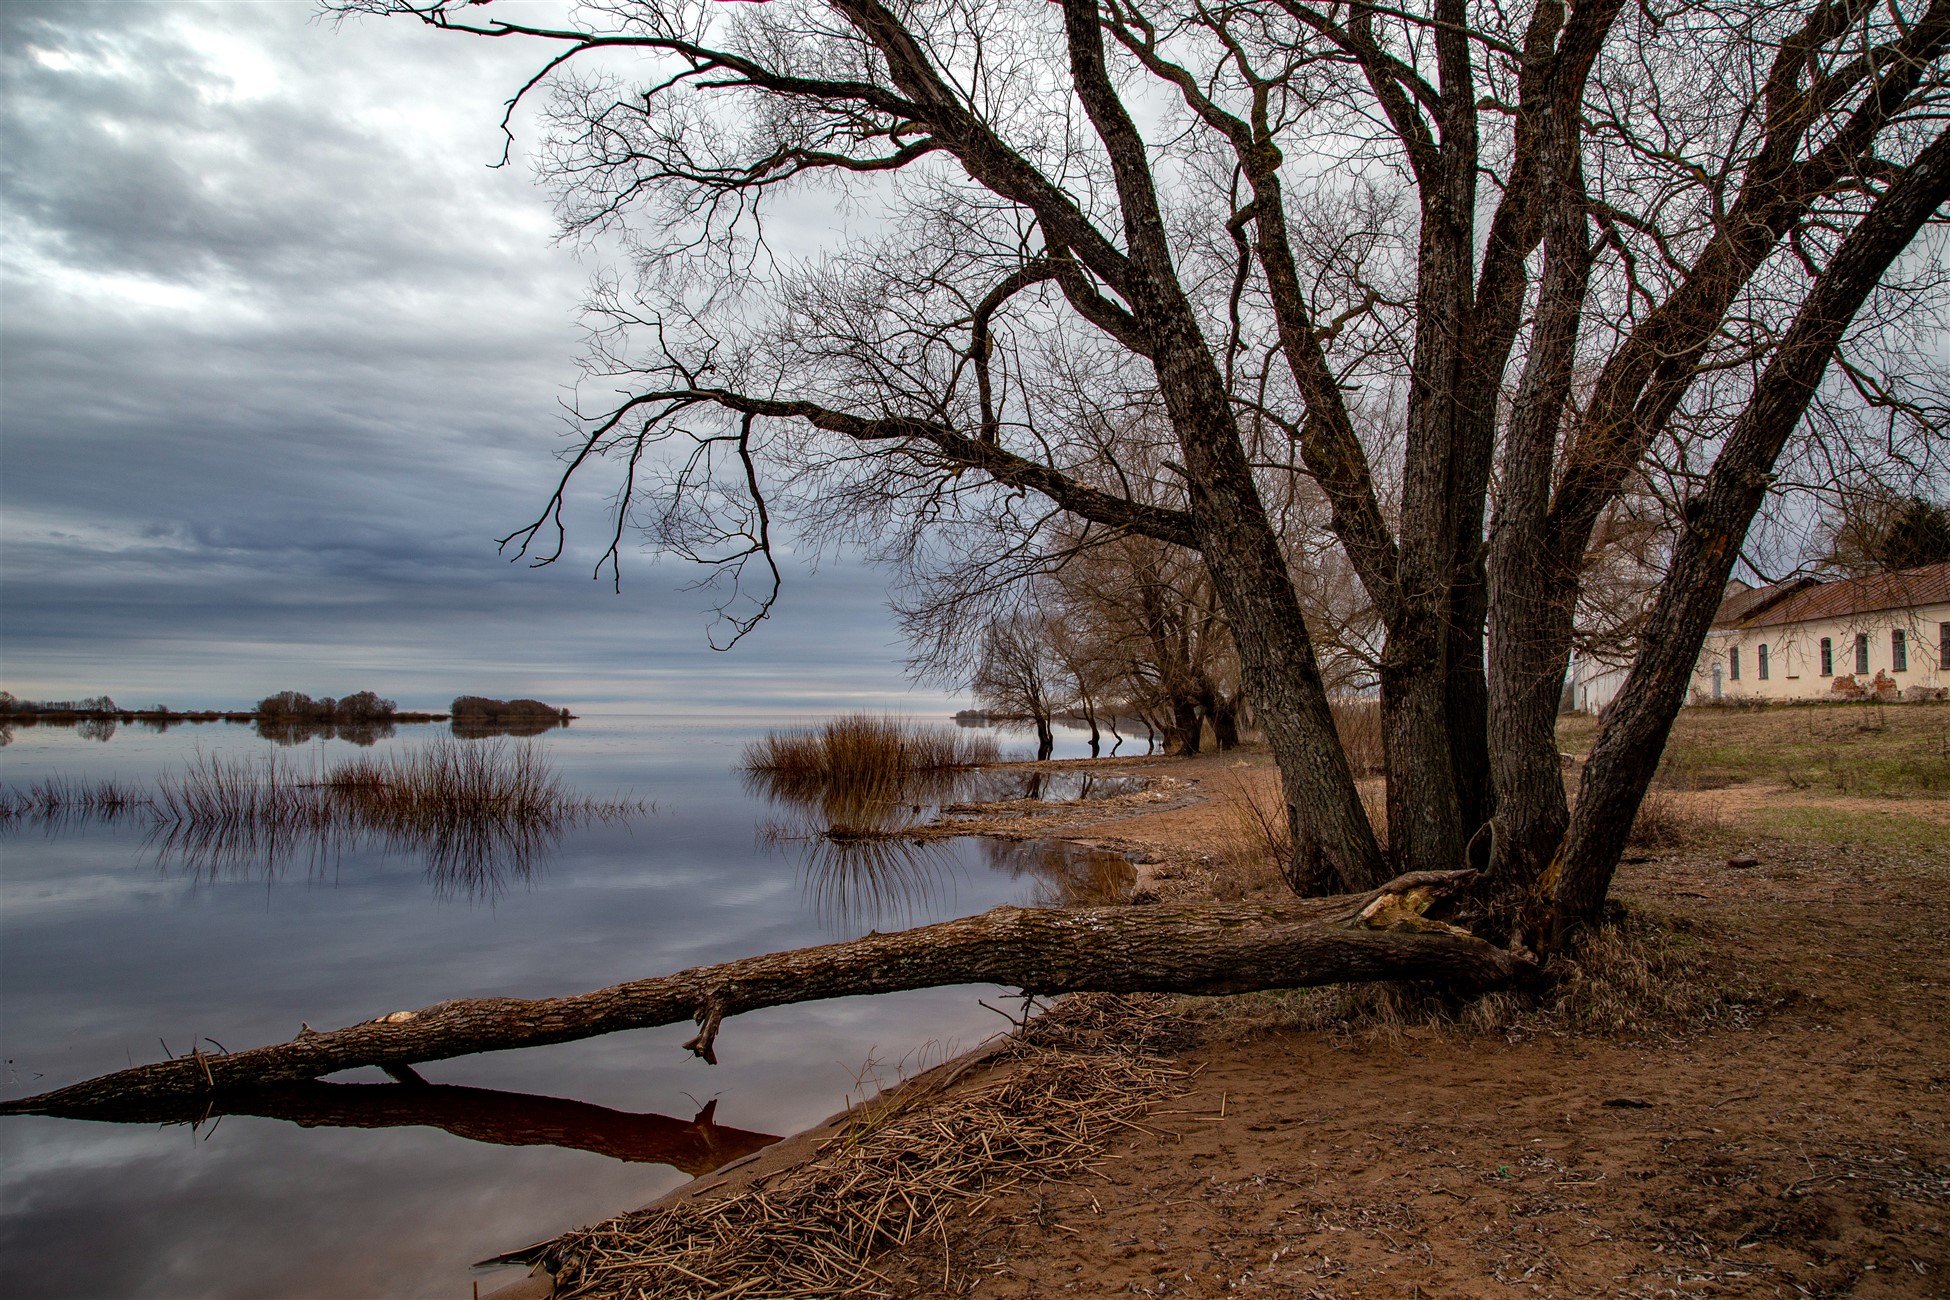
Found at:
[1881, 530]
[1367, 249]
[1020, 674]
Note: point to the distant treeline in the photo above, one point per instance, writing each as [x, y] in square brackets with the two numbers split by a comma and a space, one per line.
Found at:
[94, 706]
[360, 706]
[478, 708]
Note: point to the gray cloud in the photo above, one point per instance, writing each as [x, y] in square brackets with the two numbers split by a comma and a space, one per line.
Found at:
[282, 356]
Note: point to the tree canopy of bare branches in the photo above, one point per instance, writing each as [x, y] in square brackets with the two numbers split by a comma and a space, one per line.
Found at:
[1453, 277]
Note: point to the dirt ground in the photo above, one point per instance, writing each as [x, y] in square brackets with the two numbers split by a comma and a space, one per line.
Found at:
[1752, 1100]
[1787, 1136]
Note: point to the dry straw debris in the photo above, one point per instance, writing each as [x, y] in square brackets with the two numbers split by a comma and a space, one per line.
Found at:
[894, 1176]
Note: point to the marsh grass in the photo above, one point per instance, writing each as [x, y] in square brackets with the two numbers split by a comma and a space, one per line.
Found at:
[477, 811]
[867, 750]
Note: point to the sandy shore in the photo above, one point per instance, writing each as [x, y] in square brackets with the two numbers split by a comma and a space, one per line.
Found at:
[1770, 1116]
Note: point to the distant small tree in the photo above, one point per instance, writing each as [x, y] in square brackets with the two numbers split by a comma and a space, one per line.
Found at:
[1019, 673]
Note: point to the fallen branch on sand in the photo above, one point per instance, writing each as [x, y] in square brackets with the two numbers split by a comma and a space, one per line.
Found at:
[1384, 934]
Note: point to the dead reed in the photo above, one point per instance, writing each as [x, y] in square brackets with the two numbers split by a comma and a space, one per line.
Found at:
[865, 751]
[478, 811]
[891, 1178]
[1358, 722]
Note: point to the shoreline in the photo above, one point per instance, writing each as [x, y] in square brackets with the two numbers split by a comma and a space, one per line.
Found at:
[1159, 863]
[1735, 1093]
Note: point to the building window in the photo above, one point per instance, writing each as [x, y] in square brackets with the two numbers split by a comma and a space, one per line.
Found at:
[1943, 645]
[1763, 661]
[1733, 663]
[1861, 652]
[1828, 652]
[1898, 651]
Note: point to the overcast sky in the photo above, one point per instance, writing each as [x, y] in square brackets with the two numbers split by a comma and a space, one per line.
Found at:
[282, 357]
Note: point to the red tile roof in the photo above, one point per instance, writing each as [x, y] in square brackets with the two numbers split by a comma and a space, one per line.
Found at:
[1803, 600]
[1747, 602]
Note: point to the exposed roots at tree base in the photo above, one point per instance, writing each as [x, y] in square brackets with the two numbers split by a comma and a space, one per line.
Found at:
[896, 1175]
[1635, 974]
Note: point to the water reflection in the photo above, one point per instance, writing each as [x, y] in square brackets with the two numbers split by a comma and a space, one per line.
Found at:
[302, 731]
[512, 1119]
[484, 729]
[463, 858]
[479, 816]
[1064, 874]
[866, 863]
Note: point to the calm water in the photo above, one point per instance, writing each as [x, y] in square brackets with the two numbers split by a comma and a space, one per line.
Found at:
[115, 946]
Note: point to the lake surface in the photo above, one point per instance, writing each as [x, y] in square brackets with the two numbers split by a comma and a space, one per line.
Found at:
[116, 946]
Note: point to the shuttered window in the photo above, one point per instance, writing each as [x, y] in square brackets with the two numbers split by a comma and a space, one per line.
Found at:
[1733, 663]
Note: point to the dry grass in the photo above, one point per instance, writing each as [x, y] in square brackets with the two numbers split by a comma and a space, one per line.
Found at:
[1359, 724]
[1836, 748]
[892, 1178]
[1670, 819]
[478, 811]
[867, 750]
[1636, 975]
[1257, 841]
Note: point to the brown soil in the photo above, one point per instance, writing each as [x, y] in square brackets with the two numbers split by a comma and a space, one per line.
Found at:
[1792, 1140]
[1768, 1114]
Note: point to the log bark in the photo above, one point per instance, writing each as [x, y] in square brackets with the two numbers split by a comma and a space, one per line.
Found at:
[1386, 933]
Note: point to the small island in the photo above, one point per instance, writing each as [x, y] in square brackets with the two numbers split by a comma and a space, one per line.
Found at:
[295, 711]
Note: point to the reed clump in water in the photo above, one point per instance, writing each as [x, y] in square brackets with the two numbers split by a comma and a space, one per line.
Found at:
[478, 810]
[863, 749]
[857, 769]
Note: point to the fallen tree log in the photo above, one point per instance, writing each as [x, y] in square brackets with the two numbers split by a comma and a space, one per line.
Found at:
[1385, 934]
[514, 1119]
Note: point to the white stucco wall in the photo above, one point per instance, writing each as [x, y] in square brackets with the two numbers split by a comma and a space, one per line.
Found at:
[1794, 655]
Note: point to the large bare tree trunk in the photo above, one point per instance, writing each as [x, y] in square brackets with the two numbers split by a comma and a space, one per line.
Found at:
[1383, 934]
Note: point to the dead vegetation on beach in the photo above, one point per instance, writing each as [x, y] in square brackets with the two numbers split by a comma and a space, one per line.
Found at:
[894, 1175]
[1728, 1090]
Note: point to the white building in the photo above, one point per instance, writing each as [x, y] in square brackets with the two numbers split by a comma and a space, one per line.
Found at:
[1886, 636]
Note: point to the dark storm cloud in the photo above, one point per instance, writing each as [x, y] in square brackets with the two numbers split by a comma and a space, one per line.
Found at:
[283, 356]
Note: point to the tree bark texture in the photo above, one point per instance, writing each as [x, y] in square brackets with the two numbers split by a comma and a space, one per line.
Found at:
[1383, 934]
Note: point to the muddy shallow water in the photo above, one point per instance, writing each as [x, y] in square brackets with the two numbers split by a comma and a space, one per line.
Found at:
[117, 945]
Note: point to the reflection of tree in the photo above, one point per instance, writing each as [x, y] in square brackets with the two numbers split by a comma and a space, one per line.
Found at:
[862, 871]
[484, 728]
[696, 1146]
[302, 731]
[1066, 875]
[102, 729]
